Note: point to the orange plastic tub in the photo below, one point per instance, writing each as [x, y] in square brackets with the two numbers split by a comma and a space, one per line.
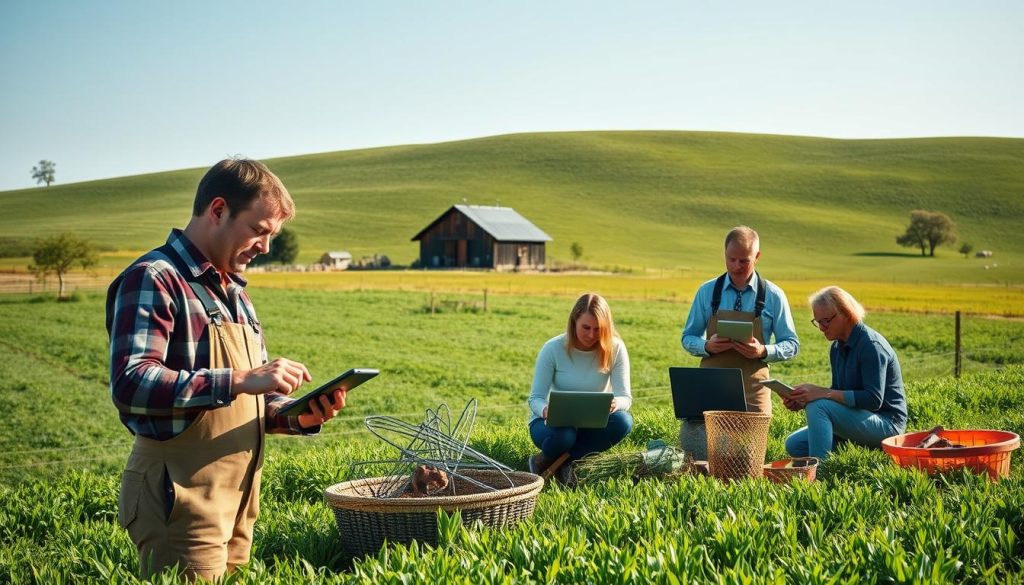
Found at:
[984, 451]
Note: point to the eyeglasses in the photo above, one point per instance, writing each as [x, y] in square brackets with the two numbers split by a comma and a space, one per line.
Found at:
[823, 323]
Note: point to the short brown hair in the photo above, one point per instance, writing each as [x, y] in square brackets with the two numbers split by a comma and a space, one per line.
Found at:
[743, 235]
[594, 304]
[240, 181]
[839, 301]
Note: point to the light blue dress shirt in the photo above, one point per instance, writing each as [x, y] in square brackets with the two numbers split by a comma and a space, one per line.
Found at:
[776, 318]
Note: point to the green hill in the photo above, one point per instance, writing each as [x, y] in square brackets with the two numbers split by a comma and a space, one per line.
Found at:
[655, 200]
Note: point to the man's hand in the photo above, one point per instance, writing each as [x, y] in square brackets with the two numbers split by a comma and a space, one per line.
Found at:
[791, 404]
[750, 349]
[614, 406]
[717, 344]
[281, 375]
[805, 393]
[323, 408]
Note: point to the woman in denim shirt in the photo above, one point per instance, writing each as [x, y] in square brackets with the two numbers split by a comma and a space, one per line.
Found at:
[866, 401]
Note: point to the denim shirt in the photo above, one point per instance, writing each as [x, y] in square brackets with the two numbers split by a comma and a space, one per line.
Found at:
[866, 369]
[776, 318]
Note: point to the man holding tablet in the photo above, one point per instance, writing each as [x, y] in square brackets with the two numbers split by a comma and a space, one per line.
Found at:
[725, 309]
[190, 378]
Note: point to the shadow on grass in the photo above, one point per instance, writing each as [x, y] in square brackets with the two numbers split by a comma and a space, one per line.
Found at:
[890, 254]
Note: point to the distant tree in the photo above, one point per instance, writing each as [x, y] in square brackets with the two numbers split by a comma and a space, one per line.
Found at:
[44, 172]
[966, 249]
[284, 248]
[576, 249]
[57, 254]
[927, 230]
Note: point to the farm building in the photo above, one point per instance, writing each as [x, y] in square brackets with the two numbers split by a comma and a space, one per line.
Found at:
[480, 236]
[336, 260]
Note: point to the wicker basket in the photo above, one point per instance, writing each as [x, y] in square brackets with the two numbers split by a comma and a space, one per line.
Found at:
[366, 522]
[786, 470]
[737, 442]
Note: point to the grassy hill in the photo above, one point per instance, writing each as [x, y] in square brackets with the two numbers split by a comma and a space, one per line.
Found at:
[637, 200]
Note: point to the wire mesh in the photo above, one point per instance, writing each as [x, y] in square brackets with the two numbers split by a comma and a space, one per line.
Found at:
[737, 443]
[435, 443]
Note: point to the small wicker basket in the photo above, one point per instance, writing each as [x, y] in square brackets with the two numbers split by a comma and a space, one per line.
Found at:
[786, 470]
[366, 522]
[737, 442]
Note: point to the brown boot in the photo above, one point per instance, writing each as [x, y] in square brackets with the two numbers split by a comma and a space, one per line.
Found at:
[538, 463]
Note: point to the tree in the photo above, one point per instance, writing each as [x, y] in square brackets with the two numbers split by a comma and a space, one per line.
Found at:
[44, 172]
[966, 249]
[58, 254]
[284, 248]
[928, 229]
[577, 251]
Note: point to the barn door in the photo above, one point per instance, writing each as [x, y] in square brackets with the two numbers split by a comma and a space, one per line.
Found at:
[461, 259]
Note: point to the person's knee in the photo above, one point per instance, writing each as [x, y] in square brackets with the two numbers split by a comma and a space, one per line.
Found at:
[560, 440]
[620, 424]
[796, 444]
[817, 406]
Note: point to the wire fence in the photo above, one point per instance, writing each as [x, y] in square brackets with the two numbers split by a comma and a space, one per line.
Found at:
[340, 426]
[20, 282]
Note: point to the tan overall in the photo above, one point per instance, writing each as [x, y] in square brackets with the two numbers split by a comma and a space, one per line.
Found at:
[692, 434]
[759, 398]
[215, 466]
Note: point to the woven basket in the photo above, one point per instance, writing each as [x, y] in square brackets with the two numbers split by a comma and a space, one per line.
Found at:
[737, 442]
[366, 522]
[802, 468]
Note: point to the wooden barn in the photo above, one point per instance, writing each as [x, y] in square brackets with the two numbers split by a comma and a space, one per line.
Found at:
[480, 236]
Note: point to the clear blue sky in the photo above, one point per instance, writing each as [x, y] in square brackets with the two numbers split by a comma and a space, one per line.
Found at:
[113, 88]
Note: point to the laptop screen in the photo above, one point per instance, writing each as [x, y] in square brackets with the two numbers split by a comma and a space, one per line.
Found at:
[695, 390]
[586, 410]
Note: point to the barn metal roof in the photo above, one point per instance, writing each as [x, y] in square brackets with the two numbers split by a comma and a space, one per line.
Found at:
[504, 224]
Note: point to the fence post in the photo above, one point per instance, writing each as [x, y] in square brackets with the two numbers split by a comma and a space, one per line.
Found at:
[485, 300]
[956, 357]
[431, 302]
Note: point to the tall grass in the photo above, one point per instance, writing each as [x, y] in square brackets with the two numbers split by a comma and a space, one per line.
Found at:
[62, 450]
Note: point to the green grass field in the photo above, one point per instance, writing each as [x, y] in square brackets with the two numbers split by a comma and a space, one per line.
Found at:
[652, 207]
[60, 463]
[637, 201]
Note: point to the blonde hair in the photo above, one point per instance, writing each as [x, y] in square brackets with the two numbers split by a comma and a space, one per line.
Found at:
[594, 304]
[839, 301]
[743, 235]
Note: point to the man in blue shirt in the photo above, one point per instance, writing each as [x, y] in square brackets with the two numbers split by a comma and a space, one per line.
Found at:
[739, 295]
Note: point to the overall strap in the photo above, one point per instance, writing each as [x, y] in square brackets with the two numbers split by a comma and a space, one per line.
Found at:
[716, 294]
[209, 304]
[762, 291]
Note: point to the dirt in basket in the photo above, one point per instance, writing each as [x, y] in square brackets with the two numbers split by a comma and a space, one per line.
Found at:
[455, 486]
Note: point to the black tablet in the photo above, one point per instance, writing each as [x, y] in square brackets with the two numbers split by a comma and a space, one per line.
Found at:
[348, 381]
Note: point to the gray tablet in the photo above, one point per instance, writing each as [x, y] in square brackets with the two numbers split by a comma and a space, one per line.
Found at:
[783, 390]
[582, 410]
[736, 330]
[348, 381]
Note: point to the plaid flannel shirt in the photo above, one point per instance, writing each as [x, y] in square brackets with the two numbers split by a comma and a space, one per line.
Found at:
[160, 374]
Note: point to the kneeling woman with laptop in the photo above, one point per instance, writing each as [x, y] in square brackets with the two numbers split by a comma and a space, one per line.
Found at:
[866, 402]
[580, 398]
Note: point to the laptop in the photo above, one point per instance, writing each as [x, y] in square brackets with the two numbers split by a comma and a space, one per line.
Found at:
[582, 410]
[695, 390]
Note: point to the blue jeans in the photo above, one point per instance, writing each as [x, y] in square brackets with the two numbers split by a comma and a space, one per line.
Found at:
[830, 423]
[579, 442]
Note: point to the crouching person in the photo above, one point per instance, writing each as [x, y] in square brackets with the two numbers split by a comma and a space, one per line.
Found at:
[588, 357]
